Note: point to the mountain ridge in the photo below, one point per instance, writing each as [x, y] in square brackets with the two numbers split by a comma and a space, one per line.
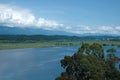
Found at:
[37, 31]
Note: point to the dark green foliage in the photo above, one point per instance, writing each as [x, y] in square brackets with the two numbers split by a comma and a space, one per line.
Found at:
[89, 64]
[118, 45]
[112, 50]
[111, 71]
[97, 50]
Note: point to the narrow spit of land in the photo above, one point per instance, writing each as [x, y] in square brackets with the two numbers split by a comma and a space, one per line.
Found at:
[12, 45]
[37, 41]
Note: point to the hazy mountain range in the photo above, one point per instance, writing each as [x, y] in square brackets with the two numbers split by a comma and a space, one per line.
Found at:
[36, 31]
[31, 31]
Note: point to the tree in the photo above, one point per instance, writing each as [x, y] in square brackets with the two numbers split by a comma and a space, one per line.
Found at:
[111, 61]
[112, 50]
[97, 50]
[89, 64]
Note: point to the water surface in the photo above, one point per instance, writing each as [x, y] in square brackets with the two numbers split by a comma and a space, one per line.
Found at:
[34, 63]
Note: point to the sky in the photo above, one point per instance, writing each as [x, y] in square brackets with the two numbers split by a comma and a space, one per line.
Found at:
[73, 16]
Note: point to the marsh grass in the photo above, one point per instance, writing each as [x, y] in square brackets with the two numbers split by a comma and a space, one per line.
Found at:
[7, 45]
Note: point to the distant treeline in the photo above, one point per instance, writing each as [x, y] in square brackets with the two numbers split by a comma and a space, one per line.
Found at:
[36, 38]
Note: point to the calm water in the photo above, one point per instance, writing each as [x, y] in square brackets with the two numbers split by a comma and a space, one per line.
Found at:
[34, 63]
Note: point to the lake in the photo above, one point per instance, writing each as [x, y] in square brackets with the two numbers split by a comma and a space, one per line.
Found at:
[35, 63]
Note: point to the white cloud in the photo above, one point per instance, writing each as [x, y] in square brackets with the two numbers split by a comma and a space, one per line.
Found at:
[117, 28]
[13, 16]
[48, 24]
[82, 29]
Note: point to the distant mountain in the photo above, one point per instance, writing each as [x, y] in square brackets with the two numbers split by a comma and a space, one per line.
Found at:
[38, 31]
[30, 31]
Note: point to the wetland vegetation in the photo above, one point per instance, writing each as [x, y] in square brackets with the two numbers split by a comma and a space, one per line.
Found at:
[36, 41]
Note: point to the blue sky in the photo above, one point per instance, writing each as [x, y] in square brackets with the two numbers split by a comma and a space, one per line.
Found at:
[74, 16]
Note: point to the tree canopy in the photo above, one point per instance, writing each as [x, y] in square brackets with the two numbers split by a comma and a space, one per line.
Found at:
[112, 50]
[89, 63]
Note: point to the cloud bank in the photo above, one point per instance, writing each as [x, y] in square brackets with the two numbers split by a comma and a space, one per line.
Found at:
[82, 29]
[14, 16]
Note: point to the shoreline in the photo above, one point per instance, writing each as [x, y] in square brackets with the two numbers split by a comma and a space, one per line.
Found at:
[6, 46]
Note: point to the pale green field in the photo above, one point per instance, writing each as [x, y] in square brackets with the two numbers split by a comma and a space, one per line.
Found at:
[52, 44]
[35, 45]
